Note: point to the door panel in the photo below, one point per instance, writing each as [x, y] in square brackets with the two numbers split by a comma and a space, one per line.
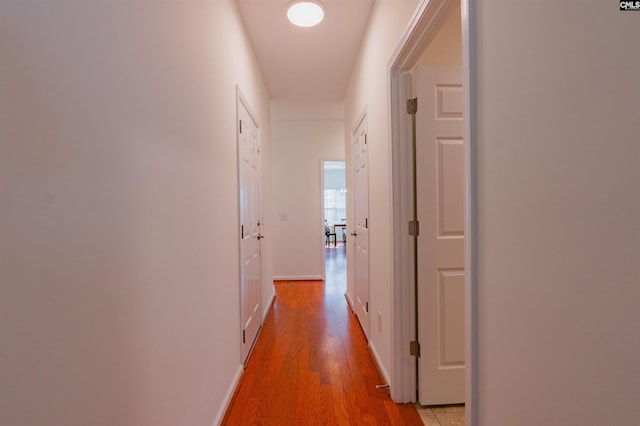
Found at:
[450, 187]
[250, 217]
[440, 257]
[451, 324]
[361, 234]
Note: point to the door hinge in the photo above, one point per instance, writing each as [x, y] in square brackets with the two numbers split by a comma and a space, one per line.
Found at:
[414, 348]
[412, 106]
[240, 126]
[414, 228]
[365, 138]
[366, 223]
[244, 336]
[366, 307]
[241, 231]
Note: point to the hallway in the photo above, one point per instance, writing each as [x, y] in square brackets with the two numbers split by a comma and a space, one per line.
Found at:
[311, 364]
[335, 268]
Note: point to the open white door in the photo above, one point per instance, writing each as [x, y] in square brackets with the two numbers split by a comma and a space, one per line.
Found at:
[250, 218]
[360, 234]
[440, 257]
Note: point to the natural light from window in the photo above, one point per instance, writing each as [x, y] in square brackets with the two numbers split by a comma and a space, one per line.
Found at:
[335, 193]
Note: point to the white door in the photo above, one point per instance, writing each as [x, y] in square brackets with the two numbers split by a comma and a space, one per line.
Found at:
[440, 204]
[361, 222]
[250, 218]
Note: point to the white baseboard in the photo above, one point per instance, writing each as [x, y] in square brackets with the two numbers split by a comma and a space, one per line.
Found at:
[236, 379]
[378, 362]
[349, 301]
[298, 278]
[227, 399]
[268, 306]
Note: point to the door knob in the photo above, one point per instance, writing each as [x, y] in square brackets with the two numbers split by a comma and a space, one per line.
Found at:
[260, 236]
[355, 234]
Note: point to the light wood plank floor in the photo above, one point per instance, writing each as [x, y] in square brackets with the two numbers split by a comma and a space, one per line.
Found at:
[446, 415]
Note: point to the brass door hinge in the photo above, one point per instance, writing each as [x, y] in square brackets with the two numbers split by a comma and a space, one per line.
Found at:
[414, 348]
[414, 228]
[412, 106]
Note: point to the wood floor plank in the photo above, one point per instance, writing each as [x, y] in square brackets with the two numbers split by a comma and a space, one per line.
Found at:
[311, 366]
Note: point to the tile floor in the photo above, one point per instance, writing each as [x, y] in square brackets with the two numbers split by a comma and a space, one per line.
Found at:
[445, 415]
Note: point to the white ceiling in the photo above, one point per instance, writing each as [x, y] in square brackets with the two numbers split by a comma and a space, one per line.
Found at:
[306, 64]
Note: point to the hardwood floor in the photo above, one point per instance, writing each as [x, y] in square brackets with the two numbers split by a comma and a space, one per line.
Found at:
[311, 366]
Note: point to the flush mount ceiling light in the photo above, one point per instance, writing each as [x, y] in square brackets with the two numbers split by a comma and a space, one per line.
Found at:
[305, 14]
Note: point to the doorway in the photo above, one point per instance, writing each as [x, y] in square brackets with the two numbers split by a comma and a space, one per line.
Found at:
[250, 209]
[440, 249]
[426, 26]
[334, 211]
[360, 153]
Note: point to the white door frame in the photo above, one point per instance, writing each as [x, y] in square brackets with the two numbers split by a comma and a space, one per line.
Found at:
[423, 26]
[353, 296]
[322, 161]
[241, 102]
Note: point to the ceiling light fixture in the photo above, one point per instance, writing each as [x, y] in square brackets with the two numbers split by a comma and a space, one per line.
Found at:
[305, 14]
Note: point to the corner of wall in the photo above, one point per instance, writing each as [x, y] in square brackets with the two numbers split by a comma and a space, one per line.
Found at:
[231, 390]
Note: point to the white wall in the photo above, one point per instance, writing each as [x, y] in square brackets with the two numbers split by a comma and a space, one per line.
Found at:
[446, 47]
[118, 210]
[298, 150]
[558, 213]
[368, 91]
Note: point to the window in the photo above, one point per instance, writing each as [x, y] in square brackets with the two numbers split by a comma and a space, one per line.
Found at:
[335, 205]
[335, 193]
